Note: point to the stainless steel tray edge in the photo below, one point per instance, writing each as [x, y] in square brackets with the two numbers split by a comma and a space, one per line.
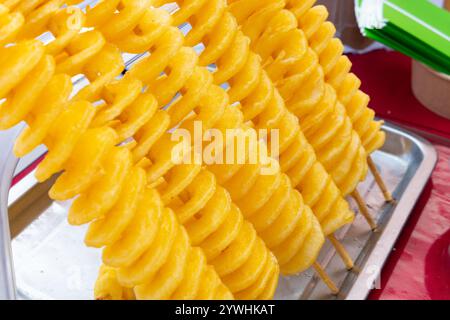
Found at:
[410, 193]
[7, 165]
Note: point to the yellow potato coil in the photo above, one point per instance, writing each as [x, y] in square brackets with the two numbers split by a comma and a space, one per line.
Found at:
[227, 47]
[212, 222]
[336, 68]
[300, 80]
[123, 107]
[144, 246]
[276, 210]
[92, 163]
[143, 241]
[94, 169]
[200, 84]
[42, 77]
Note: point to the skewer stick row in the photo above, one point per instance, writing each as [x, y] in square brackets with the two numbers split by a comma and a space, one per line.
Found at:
[364, 210]
[325, 278]
[342, 252]
[379, 180]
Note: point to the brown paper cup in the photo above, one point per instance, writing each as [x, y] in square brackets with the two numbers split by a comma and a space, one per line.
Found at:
[432, 89]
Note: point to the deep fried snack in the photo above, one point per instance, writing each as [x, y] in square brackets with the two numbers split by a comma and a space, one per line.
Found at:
[229, 49]
[300, 80]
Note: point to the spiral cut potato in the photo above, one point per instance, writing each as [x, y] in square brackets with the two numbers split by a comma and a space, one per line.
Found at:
[280, 217]
[298, 75]
[127, 215]
[336, 67]
[122, 222]
[143, 242]
[228, 48]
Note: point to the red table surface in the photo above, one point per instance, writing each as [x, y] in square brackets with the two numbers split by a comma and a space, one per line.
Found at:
[419, 266]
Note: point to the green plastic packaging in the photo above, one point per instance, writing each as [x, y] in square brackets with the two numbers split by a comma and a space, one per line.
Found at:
[416, 28]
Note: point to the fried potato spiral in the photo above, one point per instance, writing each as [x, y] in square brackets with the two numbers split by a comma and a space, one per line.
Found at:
[300, 80]
[336, 67]
[96, 170]
[145, 247]
[43, 74]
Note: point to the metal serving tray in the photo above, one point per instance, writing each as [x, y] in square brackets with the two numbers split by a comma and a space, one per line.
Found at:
[406, 162]
[52, 262]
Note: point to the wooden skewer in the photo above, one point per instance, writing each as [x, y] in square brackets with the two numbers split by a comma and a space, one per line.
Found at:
[364, 210]
[340, 249]
[325, 278]
[379, 180]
